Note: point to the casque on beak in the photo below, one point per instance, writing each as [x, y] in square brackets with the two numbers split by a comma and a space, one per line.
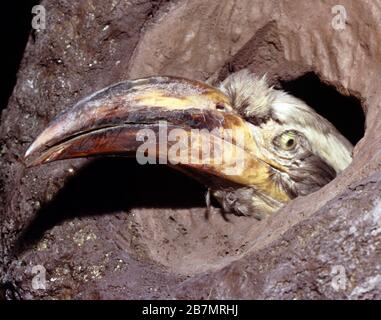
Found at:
[108, 122]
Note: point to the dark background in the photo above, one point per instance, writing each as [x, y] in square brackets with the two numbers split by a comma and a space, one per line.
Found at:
[15, 26]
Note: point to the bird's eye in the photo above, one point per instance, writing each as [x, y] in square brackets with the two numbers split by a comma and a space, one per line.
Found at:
[288, 140]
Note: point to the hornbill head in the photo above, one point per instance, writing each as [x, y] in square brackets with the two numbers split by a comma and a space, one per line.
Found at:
[254, 147]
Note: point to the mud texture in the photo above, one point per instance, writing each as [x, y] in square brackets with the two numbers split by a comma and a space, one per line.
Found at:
[111, 229]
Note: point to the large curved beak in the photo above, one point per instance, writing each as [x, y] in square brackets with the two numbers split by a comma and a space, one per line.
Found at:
[201, 131]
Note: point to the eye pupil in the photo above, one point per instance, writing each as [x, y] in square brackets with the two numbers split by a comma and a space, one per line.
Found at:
[287, 140]
[290, 143]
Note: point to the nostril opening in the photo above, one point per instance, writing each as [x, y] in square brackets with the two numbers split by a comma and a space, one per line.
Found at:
[345, 112]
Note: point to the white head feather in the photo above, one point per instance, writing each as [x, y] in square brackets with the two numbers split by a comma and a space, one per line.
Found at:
[256, 101]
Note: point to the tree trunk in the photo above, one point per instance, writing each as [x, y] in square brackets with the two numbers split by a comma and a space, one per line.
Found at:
[110, 228]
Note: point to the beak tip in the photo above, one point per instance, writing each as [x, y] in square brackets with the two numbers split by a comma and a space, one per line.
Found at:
[28, 152]
[30, 156]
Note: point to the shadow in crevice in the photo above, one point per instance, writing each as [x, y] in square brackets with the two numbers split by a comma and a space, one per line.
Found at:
[111, 185]
[16, 26]
[344, 112]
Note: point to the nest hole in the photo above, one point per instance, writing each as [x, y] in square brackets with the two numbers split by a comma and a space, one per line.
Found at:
[109, 185]
[345, 112]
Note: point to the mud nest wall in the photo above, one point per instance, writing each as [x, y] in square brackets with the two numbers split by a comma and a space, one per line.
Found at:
[112, 229]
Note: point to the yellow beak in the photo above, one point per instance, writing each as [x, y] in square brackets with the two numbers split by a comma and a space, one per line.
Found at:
[119, 119]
